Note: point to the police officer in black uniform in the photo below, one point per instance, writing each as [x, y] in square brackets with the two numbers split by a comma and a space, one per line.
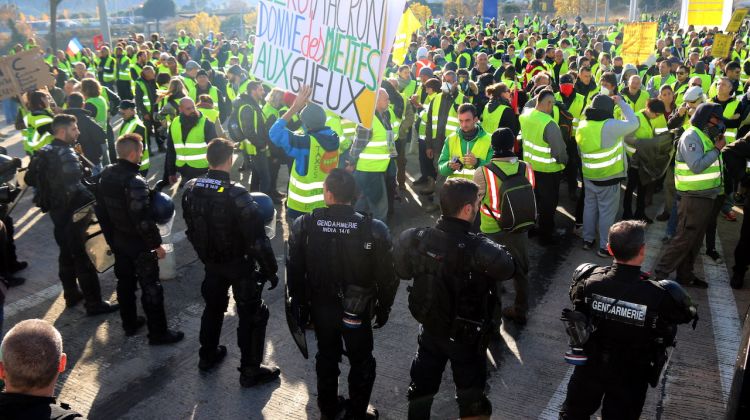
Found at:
[622, 324]
[455, 299]
[225, 226]
[340, 275]
[124, 211]
[58, 178]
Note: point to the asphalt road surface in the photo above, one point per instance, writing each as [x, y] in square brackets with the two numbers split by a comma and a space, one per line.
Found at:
[110, 376]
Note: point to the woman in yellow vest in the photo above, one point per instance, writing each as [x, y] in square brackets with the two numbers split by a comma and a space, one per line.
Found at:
[498, 112]
[38, 121]
[208, 109]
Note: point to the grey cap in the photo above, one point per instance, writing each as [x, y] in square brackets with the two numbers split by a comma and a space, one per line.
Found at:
[192, 65]
[235, 70]
[313, 117]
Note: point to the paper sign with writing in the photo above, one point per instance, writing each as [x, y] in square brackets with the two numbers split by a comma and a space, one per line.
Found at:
[23, 72]
[736, 21]
[340, 49]
[722, 45]
[638, 42]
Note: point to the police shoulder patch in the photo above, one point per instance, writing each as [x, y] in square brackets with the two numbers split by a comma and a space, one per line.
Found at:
[691, 147]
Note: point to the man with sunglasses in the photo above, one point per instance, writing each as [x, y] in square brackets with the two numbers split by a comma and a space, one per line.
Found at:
[698, 179]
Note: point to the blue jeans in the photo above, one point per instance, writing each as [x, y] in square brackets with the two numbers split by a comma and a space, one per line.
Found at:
[10, 109]
[261, 180]
[425, 163]
[373, 195]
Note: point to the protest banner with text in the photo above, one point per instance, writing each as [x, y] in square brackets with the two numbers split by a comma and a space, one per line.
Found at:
[23, 72]
[339, 48]
[638, 42]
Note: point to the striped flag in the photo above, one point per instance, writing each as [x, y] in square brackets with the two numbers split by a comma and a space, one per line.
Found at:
[74, 47]
[408, 25]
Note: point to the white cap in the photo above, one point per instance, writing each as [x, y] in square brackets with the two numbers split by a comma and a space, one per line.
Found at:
[692, 94]
[421, 53]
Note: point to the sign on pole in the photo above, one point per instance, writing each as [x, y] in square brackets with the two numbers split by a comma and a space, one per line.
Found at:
[23, 72]
[705, 13]
[340, 49]
[722, 45]
[736, 21]
[638, 42]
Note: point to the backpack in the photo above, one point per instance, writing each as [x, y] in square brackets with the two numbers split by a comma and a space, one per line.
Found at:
[517, 201]
[431, 300]
[233, 122]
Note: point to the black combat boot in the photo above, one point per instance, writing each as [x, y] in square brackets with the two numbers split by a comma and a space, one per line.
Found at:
[249, 376]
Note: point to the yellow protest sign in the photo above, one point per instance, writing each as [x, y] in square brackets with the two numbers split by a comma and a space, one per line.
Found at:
[722, 45]
[638, 42]
[736, 21]
[705, 12]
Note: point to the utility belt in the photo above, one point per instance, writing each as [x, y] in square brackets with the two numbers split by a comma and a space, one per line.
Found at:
[358, 305]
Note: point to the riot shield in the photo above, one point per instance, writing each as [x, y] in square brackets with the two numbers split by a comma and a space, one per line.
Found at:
[298, 331]
[97, 248]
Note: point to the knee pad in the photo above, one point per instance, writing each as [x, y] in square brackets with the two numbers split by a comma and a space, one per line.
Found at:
[259, 318]
[153, 294]
[416, 392]
[473, 403]
[367, 366]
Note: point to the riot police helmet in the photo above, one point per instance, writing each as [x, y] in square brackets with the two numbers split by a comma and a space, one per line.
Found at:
[162, 207]
[267, 212]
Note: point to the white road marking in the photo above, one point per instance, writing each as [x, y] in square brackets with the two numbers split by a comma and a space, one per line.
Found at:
[552, 410]
[724, 318]
[27, 226]
[30, 301]
[53, 291]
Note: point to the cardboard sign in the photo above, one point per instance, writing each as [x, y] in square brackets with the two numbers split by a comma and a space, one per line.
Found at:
[340, 49]
[638, 42]
[736, 21]
[722, 45]
[23, 72]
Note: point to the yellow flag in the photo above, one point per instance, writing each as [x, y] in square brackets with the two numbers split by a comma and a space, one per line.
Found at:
[408, 25]
[638, 42]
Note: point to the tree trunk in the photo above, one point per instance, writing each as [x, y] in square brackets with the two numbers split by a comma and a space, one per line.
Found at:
[53, 24]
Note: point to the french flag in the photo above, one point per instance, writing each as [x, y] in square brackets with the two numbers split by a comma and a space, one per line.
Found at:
[74, 47]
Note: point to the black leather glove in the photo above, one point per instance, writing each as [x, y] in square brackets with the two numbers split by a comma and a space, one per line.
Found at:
[273, 279]
[381, 317]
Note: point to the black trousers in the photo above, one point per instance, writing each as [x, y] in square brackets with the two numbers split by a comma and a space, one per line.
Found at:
[573, 167]
[712, 223]
[634, 186]
[620, 392]
[332, 338]
[547, 194]
[188, 173]
[742, 251]
[133, 268]
[469, 367]
[8, 248]
[251, 310]
[75, 267]
[123, 89]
